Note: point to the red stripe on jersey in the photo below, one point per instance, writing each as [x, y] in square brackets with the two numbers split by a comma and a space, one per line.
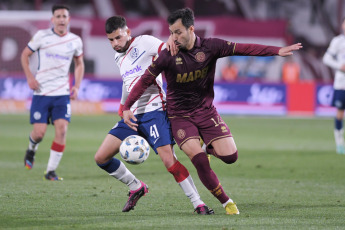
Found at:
[160, 47]
[126, 55]
[159, 50]
[128, 51]
[55, 89]
[133, 82]
[58, 43]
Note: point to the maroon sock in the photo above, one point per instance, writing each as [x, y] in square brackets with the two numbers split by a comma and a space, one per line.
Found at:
[208, 177]
[229, 159]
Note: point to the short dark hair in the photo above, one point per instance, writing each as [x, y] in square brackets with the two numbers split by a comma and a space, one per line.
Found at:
[58, 7]
[186, 15]
[114, 23]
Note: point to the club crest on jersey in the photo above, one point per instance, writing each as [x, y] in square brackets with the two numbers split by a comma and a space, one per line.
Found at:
[200, 56]
[70, 45]
[37, 115]
[179, 61]
[181, 133]
[134, 53]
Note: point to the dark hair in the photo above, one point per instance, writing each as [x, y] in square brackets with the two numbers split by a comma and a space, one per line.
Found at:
[114, 23]
[186, 15]
[58, 7]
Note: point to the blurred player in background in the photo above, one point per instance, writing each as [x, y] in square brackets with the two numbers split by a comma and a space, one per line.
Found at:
[133, 56]
[56, 47]
[335, 58]
[190, 79]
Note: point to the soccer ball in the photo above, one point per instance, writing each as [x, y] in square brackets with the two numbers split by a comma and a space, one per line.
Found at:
[134, 149]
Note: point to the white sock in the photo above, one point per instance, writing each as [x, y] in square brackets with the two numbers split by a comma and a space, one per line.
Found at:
[227, 202]
[126, 177]
[54, 160]
[33, 145]
[191, 192]
[339, 136]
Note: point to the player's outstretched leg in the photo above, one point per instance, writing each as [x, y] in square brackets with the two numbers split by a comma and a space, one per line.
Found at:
[184, 179]
[118, 170]
[211, 182]
[134, 196]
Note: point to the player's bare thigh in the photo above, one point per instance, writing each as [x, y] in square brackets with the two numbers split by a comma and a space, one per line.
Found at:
[108, 149]
[224, 146]
[191, 147]
[166, 154]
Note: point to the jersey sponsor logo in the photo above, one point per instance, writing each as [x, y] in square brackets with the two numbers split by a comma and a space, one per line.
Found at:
[224, 129]
[134, 53]
[132, 71]
[181, 133]
[179, 61]
[192, 76]
[200, 56]
[56, 56]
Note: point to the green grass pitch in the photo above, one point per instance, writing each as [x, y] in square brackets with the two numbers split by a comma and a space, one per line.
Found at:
[288, 176]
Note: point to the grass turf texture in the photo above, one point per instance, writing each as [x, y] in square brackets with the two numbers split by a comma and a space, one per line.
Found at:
[288, 176]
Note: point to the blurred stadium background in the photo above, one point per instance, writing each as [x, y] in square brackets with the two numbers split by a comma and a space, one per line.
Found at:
[300, 85]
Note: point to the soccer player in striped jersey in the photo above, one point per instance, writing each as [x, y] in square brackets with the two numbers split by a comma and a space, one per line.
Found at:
[190, 79]
[133, 55]
[56, 48]
[335, 58]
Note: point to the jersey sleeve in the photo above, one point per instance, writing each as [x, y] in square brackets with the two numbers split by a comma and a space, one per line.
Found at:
[330, 56]
[220, 47]
[155, 44]
[124, 94]
[224, 48]
[159, 65]
[79, 48]
[36, 41]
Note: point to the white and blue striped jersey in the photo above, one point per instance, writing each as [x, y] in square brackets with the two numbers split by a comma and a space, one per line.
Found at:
[335, 58]
[55, 54]
[133, 63]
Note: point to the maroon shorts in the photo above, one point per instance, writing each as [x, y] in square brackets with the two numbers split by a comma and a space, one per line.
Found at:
[208, 125]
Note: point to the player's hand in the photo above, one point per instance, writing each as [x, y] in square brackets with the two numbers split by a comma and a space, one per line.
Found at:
[128, 117]
[33, 84]
[171, 46]
[119, 112]
[74, 93]
[287, 50]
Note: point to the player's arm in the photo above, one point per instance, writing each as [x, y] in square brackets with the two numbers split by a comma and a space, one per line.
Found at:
[262, 50]
[24, 59]
[330, 59]
[138, 90]
[79, 70]
[123, 100]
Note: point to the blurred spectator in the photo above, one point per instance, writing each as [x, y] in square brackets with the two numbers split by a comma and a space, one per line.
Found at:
[230, 71]
[290, 70]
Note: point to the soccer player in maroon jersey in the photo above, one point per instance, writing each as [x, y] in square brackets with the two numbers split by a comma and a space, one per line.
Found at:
[190, 80]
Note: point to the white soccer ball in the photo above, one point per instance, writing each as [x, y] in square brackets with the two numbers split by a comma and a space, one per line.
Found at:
[134, 149]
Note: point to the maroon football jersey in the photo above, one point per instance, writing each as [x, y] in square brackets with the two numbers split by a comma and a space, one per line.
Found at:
[190, 74]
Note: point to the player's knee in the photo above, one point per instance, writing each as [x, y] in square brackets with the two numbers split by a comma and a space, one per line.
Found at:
[99, 159]
[229, 159]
